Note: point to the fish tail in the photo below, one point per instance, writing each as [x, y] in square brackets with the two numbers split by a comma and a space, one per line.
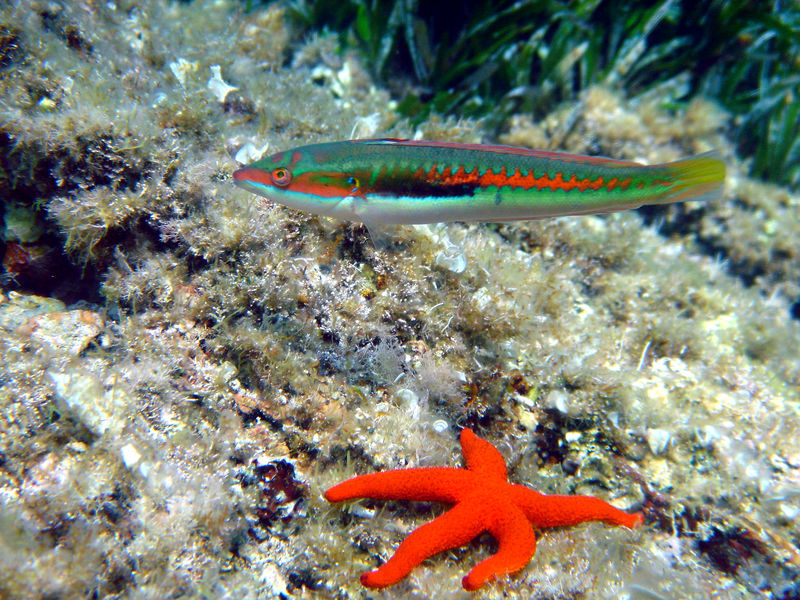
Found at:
[696, 178]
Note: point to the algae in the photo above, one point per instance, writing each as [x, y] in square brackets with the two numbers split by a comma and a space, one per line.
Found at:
[243, 357]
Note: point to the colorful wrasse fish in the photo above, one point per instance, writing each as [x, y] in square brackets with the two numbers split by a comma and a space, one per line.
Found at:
[404, 181]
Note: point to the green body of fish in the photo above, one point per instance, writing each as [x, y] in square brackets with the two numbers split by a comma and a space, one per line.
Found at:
[404, 181]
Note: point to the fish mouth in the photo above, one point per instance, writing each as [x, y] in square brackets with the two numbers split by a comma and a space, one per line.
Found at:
[253, 176]
[242, 182]
[250, 179]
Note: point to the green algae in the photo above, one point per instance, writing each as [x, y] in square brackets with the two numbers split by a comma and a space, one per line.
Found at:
[496, 59]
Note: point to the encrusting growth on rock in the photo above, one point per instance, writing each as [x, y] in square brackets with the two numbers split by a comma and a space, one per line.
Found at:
[484, 501]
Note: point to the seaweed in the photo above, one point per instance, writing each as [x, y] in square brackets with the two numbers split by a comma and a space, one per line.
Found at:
[496, 59]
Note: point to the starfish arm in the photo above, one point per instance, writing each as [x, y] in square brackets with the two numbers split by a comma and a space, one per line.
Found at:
[516, 545]
[481, 457]
[432, 484]
[454, 528]
[559, 511]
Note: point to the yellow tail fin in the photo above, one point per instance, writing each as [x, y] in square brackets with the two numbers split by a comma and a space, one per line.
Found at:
[697, 178]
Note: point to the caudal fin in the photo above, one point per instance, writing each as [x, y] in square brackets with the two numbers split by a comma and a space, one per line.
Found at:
[696, 178]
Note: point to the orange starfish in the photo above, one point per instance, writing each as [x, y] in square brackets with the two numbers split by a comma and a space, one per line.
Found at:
[484, 501]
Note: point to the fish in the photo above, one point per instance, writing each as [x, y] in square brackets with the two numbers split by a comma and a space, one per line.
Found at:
[395, 181]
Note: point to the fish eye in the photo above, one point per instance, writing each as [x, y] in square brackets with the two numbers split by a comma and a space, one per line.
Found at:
[281, 176]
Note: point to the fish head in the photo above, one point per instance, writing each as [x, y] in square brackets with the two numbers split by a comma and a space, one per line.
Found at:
[304, 179]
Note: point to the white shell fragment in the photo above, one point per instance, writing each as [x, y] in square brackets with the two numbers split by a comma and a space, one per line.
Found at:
[407, 396]
[440, 426]
[217, 85]
[249, 153]
[451, 257]
[130, 455]
[658, 440]
[559, 400]
[181, 68]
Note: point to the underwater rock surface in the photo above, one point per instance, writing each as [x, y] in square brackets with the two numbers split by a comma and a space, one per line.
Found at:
[169, 420]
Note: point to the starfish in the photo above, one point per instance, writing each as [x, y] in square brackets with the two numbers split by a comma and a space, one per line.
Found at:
[483, 500]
